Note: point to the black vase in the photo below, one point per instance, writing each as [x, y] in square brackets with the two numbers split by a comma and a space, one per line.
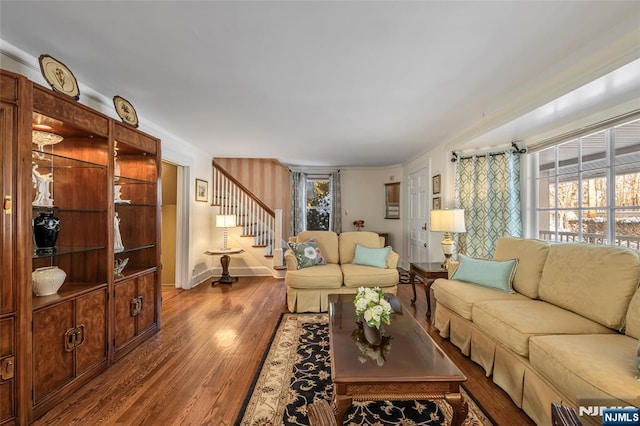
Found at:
[45, 232]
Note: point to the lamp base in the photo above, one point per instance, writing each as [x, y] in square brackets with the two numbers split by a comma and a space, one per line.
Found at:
[447, 259]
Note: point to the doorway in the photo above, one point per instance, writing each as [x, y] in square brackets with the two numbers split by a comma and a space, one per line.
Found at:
[418, 212]
[169, 224]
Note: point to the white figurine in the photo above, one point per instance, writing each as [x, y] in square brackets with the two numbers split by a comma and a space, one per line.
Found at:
[117, 238]
[117, 195]
[41, 183]
[116, 166]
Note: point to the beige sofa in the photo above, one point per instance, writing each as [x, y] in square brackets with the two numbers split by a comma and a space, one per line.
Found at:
[568, 334]
[308, 288]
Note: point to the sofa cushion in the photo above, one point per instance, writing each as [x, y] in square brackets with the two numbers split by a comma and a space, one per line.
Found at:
[487, 273]
[307, 254]
[371, 256]
[513, 322]
[460, 297]
[369, 276]
[348, 241]
[589, 365]
[594, 281]
[326, 240]
[531, 255]
[325, 276]
[632, 322]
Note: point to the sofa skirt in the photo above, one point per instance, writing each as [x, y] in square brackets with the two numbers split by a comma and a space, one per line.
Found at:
[316, 299]
[511, 372]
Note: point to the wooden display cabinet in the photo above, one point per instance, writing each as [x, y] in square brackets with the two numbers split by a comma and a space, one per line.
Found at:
[137, 287]
[52, 345]
[8, 294]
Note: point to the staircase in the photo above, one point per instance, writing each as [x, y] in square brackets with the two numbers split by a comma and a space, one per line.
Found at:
[259, 224]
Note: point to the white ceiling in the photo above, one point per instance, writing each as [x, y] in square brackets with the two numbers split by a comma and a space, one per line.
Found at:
[333, 83]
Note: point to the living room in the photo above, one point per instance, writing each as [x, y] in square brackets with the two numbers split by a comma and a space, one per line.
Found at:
[586, 80]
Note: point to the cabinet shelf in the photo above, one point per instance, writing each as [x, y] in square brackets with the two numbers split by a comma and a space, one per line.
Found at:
[59, 210]
[132, 273]
[62, 161]
[63, 250]
[124, 180]
[68, 291]
[129, 250]
[135, 205]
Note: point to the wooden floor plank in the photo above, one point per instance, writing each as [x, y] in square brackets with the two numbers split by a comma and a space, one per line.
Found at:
[198, 368]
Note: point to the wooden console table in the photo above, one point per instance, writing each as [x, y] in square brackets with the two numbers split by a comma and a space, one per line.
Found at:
[429, 272]
[224, 262]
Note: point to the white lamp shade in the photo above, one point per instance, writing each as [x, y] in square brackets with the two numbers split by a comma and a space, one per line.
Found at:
[225, 221]
[448, 220]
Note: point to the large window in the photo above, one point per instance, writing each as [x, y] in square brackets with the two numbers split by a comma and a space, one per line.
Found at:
[588, 188]
[318, 203]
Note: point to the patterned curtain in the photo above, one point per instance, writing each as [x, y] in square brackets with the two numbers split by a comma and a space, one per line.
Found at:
[298, 202]
[336, 203]
[488, 189]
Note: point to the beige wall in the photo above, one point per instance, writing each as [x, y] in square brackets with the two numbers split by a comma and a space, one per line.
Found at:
[169, 191]
[267, 179]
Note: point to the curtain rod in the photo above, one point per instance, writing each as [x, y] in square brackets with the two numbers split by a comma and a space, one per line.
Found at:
[515, 149]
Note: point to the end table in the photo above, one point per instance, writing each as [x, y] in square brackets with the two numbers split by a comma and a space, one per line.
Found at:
[429, 272]
[224, 262]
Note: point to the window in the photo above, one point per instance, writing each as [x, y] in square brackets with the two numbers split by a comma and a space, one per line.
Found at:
[588, 188]
[318, 195]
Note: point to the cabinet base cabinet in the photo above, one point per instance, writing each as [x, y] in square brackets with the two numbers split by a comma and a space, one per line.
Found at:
[7, 371]
[135, 306]
[69, 344]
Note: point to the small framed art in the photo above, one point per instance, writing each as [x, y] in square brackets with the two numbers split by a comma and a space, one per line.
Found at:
[437, 204]
[202, 190]
[436, 184]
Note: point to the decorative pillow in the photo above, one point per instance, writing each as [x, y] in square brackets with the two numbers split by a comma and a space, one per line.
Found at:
[488, 273]
[371, 256]
[308, 254]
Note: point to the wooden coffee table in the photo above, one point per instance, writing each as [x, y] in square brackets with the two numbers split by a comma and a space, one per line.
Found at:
[414, 368]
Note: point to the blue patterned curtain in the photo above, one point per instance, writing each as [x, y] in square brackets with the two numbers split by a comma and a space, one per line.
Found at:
[336, 203]
[298, 202]
[488, 189]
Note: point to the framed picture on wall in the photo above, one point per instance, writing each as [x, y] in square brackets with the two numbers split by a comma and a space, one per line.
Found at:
[437, 205]
[202, 190]
[436, 184]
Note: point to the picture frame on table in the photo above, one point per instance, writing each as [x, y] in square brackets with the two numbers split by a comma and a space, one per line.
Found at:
[436, 181]
[437, 203]
[202, 190]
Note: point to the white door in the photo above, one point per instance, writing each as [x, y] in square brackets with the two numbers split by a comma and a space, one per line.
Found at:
[418, 211]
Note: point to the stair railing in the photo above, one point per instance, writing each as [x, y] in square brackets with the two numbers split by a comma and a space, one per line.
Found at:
[252, 214]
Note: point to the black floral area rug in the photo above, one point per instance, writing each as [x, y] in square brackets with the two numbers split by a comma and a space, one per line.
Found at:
[296, 372]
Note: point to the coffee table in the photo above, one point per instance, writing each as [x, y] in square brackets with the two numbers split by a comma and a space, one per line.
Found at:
[414, 368]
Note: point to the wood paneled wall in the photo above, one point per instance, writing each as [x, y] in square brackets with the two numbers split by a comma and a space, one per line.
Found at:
[268, 179]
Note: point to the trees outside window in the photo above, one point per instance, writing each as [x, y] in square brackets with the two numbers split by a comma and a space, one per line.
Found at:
[589, 188]
[318, 203]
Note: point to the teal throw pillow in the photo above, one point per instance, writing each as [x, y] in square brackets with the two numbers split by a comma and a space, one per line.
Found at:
[371, 256]
[488, 273]
[308, 254]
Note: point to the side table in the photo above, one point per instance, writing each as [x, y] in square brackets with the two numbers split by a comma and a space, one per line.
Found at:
[224, 262]
[429, 272]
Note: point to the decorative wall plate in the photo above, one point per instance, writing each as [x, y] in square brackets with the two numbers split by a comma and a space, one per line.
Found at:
[59, 76]
[126, 111]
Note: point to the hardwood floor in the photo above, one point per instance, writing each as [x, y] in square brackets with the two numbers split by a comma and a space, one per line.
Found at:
[198, 368]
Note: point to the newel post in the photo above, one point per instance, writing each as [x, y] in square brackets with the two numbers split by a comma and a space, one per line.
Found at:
[277, 240]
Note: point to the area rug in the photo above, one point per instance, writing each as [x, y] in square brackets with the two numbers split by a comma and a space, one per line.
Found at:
[296, 371]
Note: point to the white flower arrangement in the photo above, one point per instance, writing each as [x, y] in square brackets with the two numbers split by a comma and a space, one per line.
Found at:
[371, 304]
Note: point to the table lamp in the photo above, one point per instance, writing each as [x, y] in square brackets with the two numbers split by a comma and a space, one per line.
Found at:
[447, 221]
[225, 221]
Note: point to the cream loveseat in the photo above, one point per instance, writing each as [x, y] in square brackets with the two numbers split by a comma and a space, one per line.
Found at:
[308, 288]
[568, 334]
